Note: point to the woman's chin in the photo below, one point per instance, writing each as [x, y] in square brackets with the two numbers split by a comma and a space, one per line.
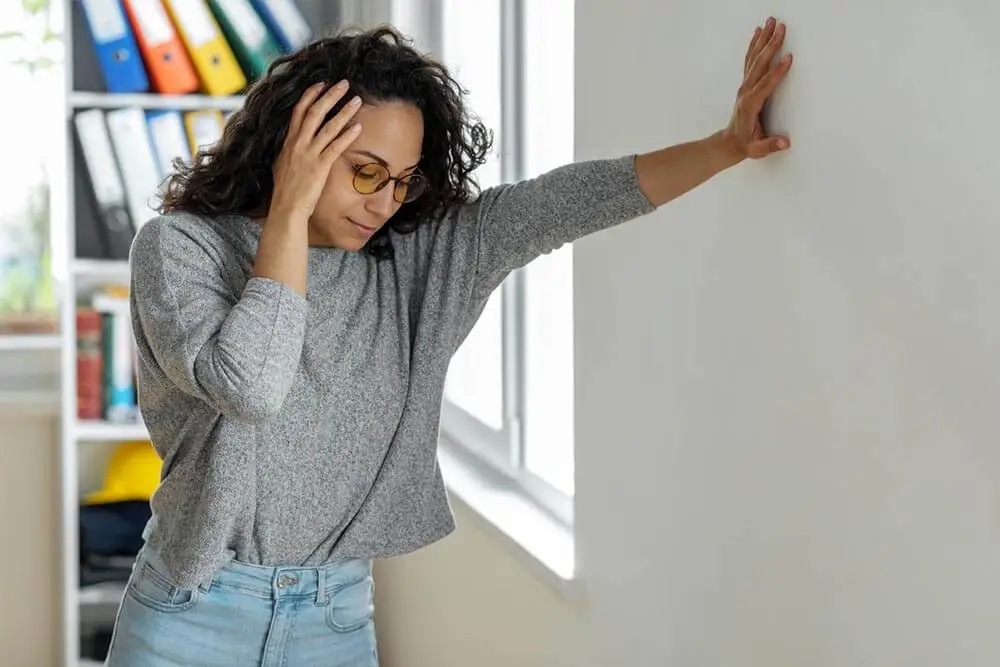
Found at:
[343, 238]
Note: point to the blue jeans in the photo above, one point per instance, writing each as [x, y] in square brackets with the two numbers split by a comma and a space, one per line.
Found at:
[248, 615]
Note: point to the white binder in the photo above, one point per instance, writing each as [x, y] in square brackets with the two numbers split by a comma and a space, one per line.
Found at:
[105, 180]
[166, 129]
[137, 162]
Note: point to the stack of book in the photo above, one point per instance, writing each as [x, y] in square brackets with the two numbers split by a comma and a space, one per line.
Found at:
[105, 359]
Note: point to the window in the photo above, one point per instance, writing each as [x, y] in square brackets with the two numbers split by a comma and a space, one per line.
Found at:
[509, 394]
[548, 310]
[31, 70]
[475, 382]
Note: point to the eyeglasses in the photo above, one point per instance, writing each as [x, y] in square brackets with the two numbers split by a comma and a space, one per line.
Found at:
[372, 177]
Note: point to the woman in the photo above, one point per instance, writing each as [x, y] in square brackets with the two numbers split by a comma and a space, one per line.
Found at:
[295, 309]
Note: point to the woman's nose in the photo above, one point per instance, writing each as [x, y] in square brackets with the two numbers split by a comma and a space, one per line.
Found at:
[382, 201]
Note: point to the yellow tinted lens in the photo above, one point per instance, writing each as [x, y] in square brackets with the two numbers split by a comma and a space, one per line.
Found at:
[370, 178]
[409, 188]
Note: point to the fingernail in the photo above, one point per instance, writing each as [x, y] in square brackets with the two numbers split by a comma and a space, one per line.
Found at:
[356, 101]
[787, 58]
[782, 144]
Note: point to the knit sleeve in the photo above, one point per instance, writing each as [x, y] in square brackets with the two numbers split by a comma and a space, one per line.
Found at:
[513, 224]
[237, 352]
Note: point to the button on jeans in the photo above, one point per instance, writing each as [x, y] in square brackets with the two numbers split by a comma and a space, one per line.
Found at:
[249, 615]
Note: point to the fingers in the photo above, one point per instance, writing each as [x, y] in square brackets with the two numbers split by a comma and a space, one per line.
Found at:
[751, 50]
[302, 106]
[340, 144]
[318, 110]
[768, 47]
[333, 127]
[765, 147]
[763, 38]
[767, 85]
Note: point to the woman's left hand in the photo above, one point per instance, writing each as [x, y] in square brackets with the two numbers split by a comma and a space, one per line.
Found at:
[745, 133]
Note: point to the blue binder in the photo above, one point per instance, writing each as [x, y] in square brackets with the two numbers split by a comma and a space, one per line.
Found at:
[115, 46]
[284, 20]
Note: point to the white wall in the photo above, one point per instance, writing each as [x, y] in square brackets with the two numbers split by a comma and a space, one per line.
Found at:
[469, 601]
[786, 380]
[29, 501]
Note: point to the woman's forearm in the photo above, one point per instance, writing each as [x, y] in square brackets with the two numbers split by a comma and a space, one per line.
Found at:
[283, 251]
[668, 173]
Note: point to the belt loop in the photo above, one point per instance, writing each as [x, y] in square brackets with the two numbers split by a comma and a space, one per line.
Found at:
[321, 597]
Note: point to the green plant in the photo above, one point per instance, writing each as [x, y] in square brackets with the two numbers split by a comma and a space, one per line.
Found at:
[39, 42]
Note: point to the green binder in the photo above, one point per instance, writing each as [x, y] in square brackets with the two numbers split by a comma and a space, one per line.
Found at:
[251, 41]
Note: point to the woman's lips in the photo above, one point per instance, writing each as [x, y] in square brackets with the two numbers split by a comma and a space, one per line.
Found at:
[365, 231]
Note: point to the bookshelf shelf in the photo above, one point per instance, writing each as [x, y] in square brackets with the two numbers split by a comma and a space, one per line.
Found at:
[89, 100]
[106, 594]
[104, 269]
[102, 431]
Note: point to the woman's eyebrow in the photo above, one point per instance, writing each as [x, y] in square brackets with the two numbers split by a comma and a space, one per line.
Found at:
[379, 159]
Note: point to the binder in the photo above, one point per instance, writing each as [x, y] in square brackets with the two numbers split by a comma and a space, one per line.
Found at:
[169, 137]
[214, 61]
[169, 68]
[136, 161]
[249, 38]
[204, 128]
[285, 21]
[105, 181]
[90, 239]
[115, 46]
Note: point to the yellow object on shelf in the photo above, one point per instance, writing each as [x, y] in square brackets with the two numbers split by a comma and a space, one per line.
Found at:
[132, 474]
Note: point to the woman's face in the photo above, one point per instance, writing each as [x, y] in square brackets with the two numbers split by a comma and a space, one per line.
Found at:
[392, 134]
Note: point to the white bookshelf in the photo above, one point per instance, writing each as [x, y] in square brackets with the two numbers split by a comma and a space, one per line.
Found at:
[83, 100]
[77, 279]
[102, 431]
[105, 594]
[82, 275]
[98, 269]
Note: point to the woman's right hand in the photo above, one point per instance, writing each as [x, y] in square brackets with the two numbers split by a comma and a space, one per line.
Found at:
[311, 147]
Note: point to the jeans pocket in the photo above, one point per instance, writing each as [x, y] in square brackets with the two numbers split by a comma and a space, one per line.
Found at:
[153, 589]
[352, 607]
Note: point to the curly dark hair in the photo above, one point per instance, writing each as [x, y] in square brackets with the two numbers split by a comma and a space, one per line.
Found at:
[235, 175]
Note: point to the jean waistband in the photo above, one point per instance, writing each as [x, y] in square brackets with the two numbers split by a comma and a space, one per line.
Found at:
[263, 581]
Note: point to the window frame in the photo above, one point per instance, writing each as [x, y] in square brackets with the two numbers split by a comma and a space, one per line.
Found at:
[502, 452]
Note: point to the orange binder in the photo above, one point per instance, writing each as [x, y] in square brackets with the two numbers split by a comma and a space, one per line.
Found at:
[170, 69]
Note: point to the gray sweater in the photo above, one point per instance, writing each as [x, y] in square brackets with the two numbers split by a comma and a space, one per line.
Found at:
[298, 430]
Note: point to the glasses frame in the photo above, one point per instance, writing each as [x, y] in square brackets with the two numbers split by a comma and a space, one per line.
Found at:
[395, 180]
